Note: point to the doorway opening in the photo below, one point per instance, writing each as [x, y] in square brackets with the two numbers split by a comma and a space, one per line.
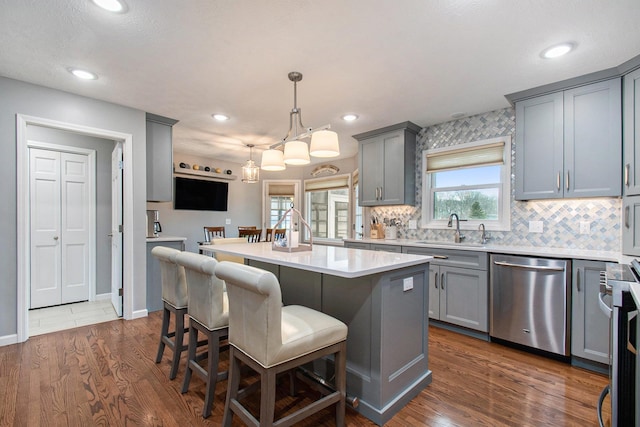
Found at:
[24, 233]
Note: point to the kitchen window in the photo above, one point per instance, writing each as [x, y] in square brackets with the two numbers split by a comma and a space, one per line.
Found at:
[327, 207]
[472, 180]
[278, 197]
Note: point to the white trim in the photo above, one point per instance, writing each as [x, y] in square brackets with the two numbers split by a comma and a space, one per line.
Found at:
[265, 196]
[8, 340]
[103, 297]
[138, 314]
[23, 202]
[505, 177]
[91, 181]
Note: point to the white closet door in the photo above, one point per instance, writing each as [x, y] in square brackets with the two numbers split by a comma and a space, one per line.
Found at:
[76, 208]
[60, 214]
[45, 245]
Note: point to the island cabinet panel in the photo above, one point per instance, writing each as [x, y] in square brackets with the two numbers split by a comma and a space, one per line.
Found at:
[569, 143]
[301, 288]
[589, 325]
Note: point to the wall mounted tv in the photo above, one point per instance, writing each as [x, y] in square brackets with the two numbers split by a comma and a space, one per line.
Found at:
[200, 195]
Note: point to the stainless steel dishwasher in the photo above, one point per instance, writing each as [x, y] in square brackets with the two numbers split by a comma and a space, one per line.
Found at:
[529, 301]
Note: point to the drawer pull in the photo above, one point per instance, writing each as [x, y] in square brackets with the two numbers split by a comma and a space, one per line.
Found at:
[440, 256]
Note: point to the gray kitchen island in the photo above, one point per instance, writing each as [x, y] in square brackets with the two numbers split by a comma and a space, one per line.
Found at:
[383, 299]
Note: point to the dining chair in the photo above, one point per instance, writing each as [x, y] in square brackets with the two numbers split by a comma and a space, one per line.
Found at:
[209, 314]
[271, 339]
[278, 233]
[251, 235]
[174, 300]
[227, 257]
[246, 227]
[211, 233]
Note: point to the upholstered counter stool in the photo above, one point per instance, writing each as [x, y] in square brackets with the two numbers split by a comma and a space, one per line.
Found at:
[174, 299]
[271, 339]
[209, 314]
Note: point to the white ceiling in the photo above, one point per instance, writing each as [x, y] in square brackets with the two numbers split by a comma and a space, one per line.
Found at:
[387, 61]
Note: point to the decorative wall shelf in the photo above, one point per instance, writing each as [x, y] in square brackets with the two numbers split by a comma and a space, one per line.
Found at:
[204, 174]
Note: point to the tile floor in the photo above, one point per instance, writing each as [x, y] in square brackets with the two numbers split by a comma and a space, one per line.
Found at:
[51, 319]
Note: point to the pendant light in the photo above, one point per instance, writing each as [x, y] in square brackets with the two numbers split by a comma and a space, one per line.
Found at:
[250, 172]
[324, 143]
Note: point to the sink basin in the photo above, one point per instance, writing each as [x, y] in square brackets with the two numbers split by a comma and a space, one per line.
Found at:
[449, 243]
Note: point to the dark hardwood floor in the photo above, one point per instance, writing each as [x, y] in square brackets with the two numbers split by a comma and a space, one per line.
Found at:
[105, 375]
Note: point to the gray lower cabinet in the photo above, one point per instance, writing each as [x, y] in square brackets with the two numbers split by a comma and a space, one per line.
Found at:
[154, 278]
[458, 287]
[631, 225]
[357, 245]
[589, 325]
[387, 162]
[569, 143]
[159, 158]
[374, 246]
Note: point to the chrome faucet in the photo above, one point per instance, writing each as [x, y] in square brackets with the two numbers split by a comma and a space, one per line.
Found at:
[458, 237]
[484, 238]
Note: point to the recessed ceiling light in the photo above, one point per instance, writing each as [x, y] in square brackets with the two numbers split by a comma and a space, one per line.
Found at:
[220, 117]
[83, 74]
[349, 117]
[117, 6]
[557, 50]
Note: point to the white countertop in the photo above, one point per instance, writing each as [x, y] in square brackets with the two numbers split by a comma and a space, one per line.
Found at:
[165, 239]
[334, 260]
[548, 252]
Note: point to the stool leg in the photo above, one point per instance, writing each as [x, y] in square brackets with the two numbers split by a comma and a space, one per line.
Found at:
[212, 371]
[193, 344]
[267, 397]
[178, 343]
[166, 314]
[340, 367]
[233, 384]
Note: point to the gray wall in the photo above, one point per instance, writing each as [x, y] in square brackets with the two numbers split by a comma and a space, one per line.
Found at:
[245, 200]
[103, 148]
[23, 98]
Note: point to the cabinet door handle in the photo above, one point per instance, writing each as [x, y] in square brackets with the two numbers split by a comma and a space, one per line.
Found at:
[440, 256]
[558, 181]
[626, 216]
[436, 281]
[578, 281]
[442, 281]
[567, 181]
[381, 188]
[626, 174]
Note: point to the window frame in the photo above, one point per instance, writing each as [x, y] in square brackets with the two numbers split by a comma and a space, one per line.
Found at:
[504, 201]
[348, 187]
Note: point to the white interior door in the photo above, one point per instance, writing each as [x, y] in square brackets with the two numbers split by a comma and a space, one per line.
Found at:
[76, 206]
[60, 215]
[44, 187]
[116, 228]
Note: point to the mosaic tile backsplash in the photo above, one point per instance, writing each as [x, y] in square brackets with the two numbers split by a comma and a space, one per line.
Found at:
[561, 218]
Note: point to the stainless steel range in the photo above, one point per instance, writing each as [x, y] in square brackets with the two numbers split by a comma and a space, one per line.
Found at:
[622, 344]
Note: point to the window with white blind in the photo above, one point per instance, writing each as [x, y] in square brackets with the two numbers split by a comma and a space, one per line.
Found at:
[472, 180]
[327, 207]
[278, 197]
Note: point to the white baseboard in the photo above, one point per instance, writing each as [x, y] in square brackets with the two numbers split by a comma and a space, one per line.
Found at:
[102, 297]
[8, 340]
[139, 313]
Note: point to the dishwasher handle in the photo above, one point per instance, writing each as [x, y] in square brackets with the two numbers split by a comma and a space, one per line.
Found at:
[604, 307]
[530, 267]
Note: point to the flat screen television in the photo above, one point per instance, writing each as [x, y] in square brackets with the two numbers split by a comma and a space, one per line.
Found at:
[200, 195]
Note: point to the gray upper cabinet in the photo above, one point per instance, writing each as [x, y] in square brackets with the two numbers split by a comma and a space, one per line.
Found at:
[631, 137]
[159, 158]
[568, 144]
[387, 161]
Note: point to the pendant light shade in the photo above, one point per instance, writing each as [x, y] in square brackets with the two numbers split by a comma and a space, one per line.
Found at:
[324, 143]
[250, 172]
[296, 153]
[272, 160]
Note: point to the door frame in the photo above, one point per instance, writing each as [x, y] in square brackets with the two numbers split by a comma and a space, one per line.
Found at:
[91, 157]
[22, 149]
